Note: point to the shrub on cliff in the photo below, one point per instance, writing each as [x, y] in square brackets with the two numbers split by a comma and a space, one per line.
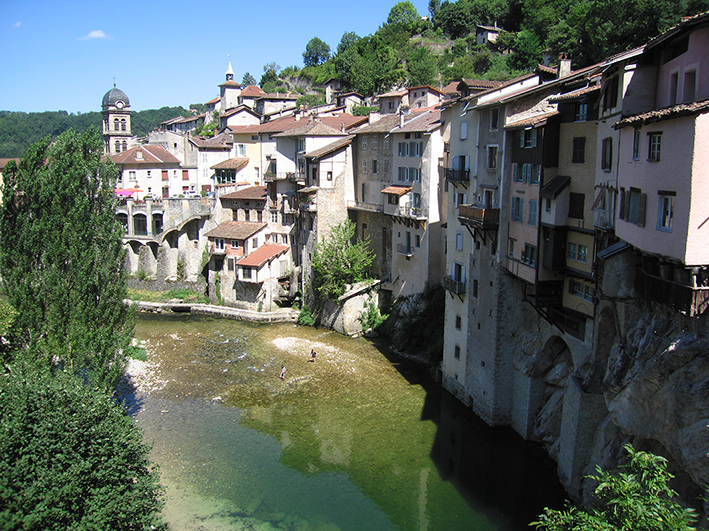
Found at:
[638, 499]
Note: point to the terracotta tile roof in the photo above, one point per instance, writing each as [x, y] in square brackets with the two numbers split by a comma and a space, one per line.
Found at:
[231, 164]
[214, 100]
[538, 119]
[145, 154]
[574, 94]
[236, 230]
[230, 83]
[548, 69]
[424, 123]
[396, 190]
[667, 113]
[394, 94]
[252, 192]
[252, 91]
[388, 122]
[221, 141]
[263, 254]
[279, 96]
[482, 83]
[330, 148]
[428, 87]
[451, 88]
[316, 128]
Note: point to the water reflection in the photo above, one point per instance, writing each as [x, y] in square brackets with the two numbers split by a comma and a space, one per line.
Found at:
[351, 442]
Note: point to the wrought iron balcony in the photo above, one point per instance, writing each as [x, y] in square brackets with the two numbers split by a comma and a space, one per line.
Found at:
[453, 285]
[479, 217]
[456, 176]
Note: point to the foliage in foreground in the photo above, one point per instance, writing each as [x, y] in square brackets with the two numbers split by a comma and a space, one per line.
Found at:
[339, 261]
[61, 258]
[71, 458]
[638, 499]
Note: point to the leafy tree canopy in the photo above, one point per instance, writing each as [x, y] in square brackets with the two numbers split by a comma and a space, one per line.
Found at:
[61, 257]
[348, 39]
[71, 458]
[638, 498]
[248, 79]
[316, 52]
[339, 260]
[403, 14]
[270, 74]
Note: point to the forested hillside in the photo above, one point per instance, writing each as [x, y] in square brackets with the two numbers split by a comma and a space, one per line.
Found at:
[433, 48]
[20, 129]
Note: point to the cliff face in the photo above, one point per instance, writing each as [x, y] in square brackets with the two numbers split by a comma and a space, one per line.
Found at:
[650, 372]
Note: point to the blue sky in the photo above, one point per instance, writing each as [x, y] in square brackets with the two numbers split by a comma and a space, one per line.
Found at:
[64, 54]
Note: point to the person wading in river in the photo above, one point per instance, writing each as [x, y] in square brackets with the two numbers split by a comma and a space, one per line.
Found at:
[312, 355]
[283, 372]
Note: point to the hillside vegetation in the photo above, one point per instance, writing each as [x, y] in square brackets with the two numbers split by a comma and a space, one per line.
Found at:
[434, 48]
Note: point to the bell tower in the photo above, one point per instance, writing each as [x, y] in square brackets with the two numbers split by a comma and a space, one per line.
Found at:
[115, 108]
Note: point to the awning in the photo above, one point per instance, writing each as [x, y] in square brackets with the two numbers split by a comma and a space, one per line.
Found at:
[308, 190]
[396, 190]
[554, 187]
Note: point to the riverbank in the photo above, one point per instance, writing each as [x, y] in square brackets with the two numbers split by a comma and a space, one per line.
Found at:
[282, 315]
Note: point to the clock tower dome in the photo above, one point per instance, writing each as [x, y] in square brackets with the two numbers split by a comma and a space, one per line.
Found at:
[115, 108]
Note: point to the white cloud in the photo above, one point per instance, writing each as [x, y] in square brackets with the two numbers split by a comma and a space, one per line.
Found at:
[17, 24]
[95, 34]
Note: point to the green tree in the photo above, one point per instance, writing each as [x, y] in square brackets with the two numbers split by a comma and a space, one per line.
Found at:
[422, 67]
[639, 499]
[71, 458]
[316, 52]
[310, 100]
[248, 79]
[404, 14]
[527, 51]
[61, 257]
[270, 74]
[348, 39]
[339, 260]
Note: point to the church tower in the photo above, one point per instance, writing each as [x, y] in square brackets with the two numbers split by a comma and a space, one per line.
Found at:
[115, 108]
[229, 91]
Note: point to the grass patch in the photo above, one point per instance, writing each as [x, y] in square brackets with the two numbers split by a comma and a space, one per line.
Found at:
[185, 294]
[137, 353]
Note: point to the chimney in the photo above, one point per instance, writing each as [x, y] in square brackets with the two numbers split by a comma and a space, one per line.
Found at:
[373, 117]
[401, 119]
[564, 65]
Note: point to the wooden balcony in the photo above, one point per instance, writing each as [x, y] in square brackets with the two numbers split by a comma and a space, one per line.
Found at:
[688, 300]
[479, 217]
[454, 286]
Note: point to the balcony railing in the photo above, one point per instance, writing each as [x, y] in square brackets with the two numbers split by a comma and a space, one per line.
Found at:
[689, 300]
[456, 176]
[454, 286]
[361, 205]
[404, 249]
[479, 217]
[604, 219]
[412, 212]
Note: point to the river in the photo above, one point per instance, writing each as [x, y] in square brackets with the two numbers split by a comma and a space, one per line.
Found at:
[357, 440]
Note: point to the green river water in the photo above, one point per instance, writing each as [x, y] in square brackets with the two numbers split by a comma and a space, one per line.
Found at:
[358, 440]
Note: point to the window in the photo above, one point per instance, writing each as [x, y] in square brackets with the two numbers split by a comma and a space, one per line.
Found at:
[274, 216]
[123, 124]
[185, 175]
[655, 143]
[364, 142]
[375, 142]
[242, 148]
[456, 352]
[364, 192]
[475, 288]
[581, 114]
[636, 144]
[578, 153]
[581, 290]
[529, 255]
[364, 166]
[547, 204]
[375, 167]
[118, 146]
[582, 254]
[607, 154]
[385, 143]
[674, 81]
[234, 244]
[458, 322]
[393, 199]
[230, 264]
[690, 83]
[528, 138]
[571, 251]
[219, 244]
[246, 273]
[415, 175]
[576, 205]
[665, 210]
[494, 119]
[532, 220]
[511, 248]
[632, 206]
[403, 174]
[125, 145]
[492, 157]
[132, 176]
[610, 97]
[403, 149]
[459, 241]
[517, 208]
[417, 240]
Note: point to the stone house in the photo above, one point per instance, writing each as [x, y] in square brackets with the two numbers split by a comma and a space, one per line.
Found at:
[154, 171]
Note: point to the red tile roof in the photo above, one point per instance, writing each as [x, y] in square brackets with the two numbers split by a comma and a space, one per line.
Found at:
[263, 254]
[252, 91]
[236, 230]
[231, 164]
[145, 154]
[396, 190]
[252, 192]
